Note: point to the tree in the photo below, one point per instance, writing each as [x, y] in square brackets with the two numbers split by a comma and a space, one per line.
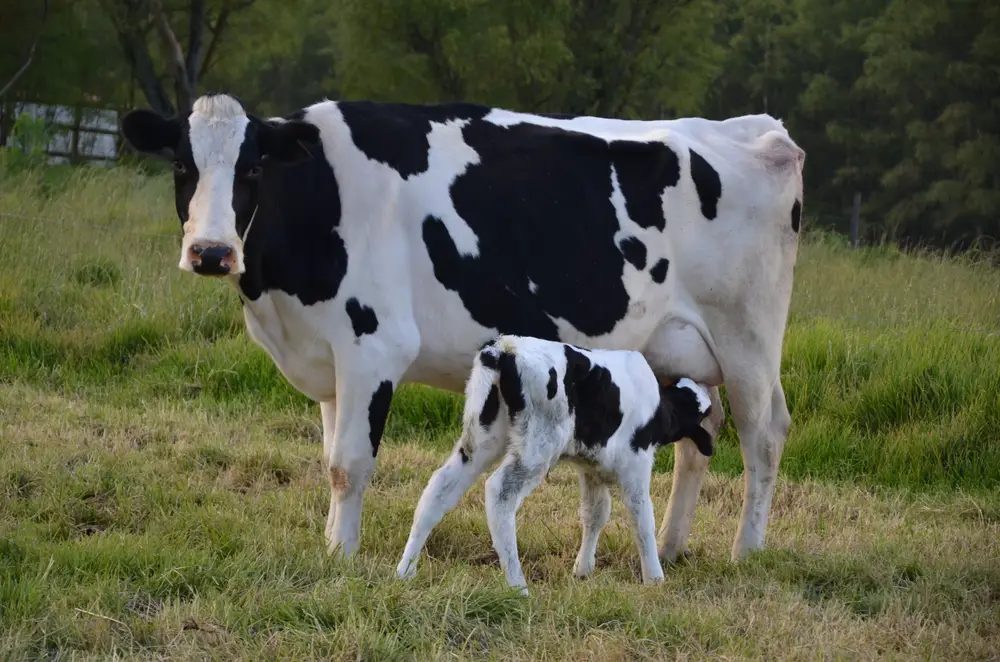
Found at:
[137, 21]
[31, 52]
[624, 58]
[933, 70]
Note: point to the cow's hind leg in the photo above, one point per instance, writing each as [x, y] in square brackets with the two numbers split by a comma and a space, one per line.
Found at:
[761, 416]
[446, 487]
[690, 467]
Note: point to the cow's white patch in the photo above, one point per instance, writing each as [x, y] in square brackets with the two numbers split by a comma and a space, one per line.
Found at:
[217, 129]
[704, 401]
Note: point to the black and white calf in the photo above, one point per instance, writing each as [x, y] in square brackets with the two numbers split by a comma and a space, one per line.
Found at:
[535, 402]
[376, 244]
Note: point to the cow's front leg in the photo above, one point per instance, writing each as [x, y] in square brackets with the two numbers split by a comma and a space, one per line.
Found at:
[363, 399]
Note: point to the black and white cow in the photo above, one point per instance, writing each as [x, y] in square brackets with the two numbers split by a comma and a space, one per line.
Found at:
[537, 402]
[374, 244]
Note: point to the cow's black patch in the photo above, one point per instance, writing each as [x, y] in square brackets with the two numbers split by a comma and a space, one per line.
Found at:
[707, 183]
[363, 319]
[396, 133]
[489, 360]
[293, 245]
[539, 201]
[553, 386]
[595, 399]
[490, 408]
[634, 251]
[796, 215]
[378, 411]
[659, 271]
[644, 170]
[510, 385]
[461, 454]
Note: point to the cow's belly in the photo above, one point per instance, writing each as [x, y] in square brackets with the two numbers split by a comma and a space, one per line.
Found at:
[450, 338]
[293, 336]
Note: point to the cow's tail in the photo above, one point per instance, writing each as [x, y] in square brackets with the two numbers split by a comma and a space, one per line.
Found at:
[482, 391]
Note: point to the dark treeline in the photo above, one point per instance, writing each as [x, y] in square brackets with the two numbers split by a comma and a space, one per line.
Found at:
[896, 99]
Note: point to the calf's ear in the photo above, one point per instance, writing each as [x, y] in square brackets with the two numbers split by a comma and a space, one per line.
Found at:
[289, 142]
[151, 133]
[703, 440]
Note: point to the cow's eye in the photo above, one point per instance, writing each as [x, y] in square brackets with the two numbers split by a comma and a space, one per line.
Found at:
[254, 172]
[179, 168]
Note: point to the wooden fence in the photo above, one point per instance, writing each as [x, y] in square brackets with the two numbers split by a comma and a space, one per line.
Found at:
[84, 133]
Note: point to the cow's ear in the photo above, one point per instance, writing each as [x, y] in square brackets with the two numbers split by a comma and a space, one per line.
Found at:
[149, 132]
[703, 440]
[289, 142]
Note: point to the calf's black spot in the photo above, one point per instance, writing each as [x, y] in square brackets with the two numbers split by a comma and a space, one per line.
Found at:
[489, 360]
[707, 183]
[553, 386]
[378, 411]
[461, 454]
[659, 271]
[363, 319]
[510, 385]
[796, 215]
[634, 251]
[490, 408]
[595, 399]
[649, 433]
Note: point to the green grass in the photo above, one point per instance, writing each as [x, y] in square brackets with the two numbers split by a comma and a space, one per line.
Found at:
[161, 494]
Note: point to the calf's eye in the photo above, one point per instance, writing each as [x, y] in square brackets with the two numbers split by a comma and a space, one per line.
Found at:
[254, 172]
[179, 168]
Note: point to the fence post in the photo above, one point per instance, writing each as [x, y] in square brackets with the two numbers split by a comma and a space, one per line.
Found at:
[855, 219]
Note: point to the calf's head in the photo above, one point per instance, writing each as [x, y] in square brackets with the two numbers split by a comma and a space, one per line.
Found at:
[683, 407]
[221, 156]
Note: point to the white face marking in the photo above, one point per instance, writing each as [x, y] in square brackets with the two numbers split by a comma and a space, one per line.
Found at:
[217, 129]
[704, 400]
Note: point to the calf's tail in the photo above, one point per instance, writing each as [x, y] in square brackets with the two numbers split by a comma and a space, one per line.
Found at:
[485, 391]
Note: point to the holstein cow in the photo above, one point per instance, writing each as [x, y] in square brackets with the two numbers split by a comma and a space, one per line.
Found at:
[535, 403]
[374, 244]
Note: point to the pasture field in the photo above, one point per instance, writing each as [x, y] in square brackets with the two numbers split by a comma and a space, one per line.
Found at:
[161, 493]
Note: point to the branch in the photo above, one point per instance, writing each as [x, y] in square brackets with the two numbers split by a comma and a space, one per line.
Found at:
[175, 55]
[196, 39]
[218, 28]
[31, 52]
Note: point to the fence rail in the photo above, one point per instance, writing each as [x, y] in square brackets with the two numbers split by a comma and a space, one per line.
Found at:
[85, 132]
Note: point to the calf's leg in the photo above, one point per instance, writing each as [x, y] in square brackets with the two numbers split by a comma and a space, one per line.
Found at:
[446, 487]
[505, 490]
[595, 510]
[635, 491]
[690, 467]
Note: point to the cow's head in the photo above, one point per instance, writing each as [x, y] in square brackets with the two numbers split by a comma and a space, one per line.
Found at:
[683, 407]
[220, 157]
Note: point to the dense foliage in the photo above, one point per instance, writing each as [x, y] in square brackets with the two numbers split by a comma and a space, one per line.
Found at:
[896, 99]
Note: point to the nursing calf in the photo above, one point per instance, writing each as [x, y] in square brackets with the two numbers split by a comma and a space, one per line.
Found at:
[535, 402]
